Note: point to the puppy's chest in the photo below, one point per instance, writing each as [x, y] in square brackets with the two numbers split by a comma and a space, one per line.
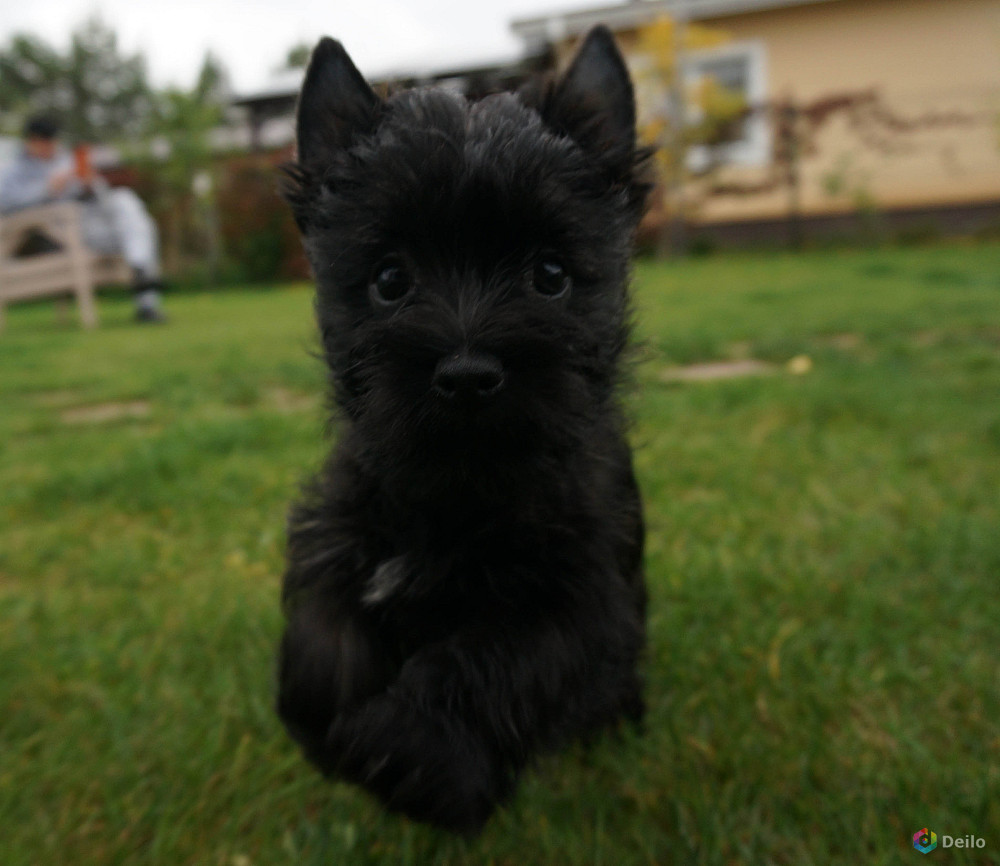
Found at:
[440, 589]
[417, 576]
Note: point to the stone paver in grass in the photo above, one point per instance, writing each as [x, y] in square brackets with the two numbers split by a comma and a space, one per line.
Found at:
[713, 370]
[99, 413]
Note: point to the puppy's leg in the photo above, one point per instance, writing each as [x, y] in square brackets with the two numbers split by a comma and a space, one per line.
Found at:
[328, 661]
[445, 741]
[332, 655]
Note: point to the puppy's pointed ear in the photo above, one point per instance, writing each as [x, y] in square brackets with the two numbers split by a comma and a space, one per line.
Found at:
[335, 105]
[594, 104]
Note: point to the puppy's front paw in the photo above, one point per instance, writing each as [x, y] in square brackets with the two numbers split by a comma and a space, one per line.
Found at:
[418, 765]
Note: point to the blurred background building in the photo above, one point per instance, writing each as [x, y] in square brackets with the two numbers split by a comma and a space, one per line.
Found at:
[884, 110]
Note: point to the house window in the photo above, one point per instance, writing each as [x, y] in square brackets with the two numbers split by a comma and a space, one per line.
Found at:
[739, 70]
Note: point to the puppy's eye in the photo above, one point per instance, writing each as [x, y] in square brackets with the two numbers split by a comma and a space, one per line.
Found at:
[551, 279]
[391, 282]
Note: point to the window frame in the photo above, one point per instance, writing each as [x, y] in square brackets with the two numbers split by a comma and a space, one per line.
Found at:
[754, 148]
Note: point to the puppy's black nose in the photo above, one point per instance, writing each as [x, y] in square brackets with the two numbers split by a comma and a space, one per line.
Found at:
[468, 375]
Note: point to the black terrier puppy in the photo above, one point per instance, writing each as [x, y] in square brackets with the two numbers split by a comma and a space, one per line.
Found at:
[464, 583]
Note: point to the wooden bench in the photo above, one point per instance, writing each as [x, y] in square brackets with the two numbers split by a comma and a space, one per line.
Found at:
[73, 269]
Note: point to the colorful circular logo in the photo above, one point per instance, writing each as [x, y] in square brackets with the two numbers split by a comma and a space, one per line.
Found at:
[924, 840]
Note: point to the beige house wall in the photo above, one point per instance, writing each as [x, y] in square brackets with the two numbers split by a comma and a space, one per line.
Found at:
[922, 58]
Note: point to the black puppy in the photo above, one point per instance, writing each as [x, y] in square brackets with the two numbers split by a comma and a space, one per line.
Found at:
[464, 583]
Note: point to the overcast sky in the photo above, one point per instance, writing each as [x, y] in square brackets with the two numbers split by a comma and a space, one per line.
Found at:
[251, 37]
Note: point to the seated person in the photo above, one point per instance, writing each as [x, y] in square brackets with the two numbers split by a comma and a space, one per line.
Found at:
[114, 221]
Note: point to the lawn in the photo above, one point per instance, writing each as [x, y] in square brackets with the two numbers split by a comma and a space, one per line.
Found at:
[823, 559]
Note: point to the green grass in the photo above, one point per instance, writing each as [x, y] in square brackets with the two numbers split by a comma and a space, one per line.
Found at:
[823, 559]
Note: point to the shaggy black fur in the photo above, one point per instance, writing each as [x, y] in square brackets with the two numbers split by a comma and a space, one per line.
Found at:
[464, 583]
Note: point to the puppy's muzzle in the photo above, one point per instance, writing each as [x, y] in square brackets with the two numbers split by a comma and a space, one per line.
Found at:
[468, 376]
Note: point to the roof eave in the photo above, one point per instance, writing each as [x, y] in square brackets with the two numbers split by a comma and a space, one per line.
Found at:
[623, 16]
